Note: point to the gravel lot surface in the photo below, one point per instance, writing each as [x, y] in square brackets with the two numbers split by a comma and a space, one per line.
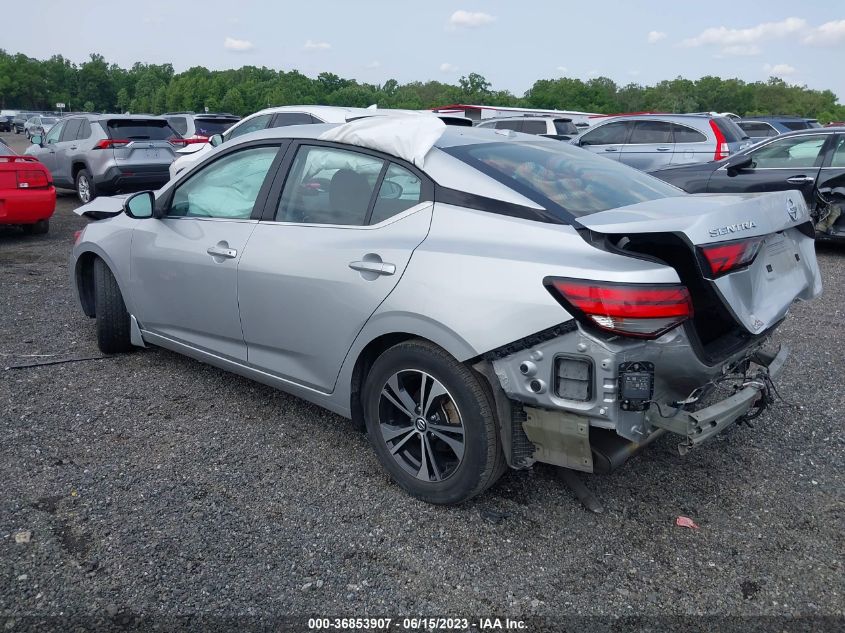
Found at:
[154, 485]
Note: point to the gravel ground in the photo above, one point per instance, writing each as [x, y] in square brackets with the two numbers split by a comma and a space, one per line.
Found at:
[153, 485]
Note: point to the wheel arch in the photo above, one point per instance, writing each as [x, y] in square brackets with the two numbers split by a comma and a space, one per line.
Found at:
[83, 278]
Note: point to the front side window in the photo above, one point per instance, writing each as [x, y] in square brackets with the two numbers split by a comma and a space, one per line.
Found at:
[249, 125]
[651, 132]
[54, 133]
[614, 133]
[564, 179]
[400, 190]
[793, 152]
[227, 188]
[329, 186]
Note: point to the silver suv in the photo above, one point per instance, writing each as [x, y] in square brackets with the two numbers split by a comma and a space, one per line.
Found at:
[107, 153]
[554, 127]
[652, 141]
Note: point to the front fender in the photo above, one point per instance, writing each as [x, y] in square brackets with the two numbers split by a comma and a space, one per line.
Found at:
[110, 243]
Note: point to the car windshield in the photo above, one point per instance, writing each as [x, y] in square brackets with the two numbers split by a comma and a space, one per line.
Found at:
[48, 120]
[210, 127]
[144, 130]
[564, 178]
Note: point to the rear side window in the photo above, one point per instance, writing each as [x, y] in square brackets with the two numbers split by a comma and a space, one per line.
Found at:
[730, 130]
[564, 179]
[400, 190]
[140, 130]
[684, 134]
[210, 127]
[651, 132]
[84, 130]
[534, 127]
[614, 133]
[329, 186]
[516, 126]
[179, 123]
[283, 119]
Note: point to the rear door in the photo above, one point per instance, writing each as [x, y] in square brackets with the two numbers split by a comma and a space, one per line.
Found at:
[791, 162]
[334, 242]
[649, 146]
[607, 139]
[184, 266]
[691, 145]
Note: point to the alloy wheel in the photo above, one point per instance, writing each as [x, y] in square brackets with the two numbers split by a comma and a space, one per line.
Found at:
[421, 425]
[84, 189]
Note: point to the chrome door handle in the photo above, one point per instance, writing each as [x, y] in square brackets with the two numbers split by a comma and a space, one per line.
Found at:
[663, 149]
[219, 251]
[379, 268]
[800, 180]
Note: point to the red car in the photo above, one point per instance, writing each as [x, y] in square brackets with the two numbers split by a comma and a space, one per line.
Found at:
[27, 195]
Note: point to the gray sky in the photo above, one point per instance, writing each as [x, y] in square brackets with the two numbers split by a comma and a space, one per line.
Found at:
[511, 43]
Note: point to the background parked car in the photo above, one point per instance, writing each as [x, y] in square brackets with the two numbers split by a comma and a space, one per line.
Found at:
[6, 118]
[811, 161]
[198, 128]
[760, 127]
[27, 196]
[652, 141]
[20, 120]
[554, 127]
[39, 124]
[96, 153]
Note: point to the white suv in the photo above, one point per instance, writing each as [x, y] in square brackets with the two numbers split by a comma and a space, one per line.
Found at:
[555, 127]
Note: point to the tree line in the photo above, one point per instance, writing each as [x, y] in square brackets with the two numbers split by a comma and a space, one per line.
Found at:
[95, 85]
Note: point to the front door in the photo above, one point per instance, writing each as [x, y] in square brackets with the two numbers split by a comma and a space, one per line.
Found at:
[46, 153]
[792, 162]
[606, 140]
[184, 269]
[334, 246]
[650, 145]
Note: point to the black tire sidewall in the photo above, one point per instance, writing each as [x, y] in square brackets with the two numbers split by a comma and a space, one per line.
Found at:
[476, 417]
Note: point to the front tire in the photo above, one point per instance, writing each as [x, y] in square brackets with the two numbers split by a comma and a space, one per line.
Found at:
[431, 423]
[113, 333]
[85, 189]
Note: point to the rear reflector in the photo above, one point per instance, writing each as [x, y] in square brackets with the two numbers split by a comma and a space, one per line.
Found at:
[110, 143]
[726, 257]
[722, 149]
[32, 179]
[640, 310]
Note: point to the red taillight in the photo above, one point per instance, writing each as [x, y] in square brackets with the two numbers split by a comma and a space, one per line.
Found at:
[110, 143]
[641, 310]
[32, 179]
[725, 257]
[722, 149]
[189, 141]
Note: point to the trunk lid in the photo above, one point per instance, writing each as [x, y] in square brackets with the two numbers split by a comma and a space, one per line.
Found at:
[758, 295]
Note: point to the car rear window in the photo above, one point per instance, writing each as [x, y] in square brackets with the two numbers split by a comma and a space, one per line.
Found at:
[730, 130]
[795, 125]
[139, 129]
[48, 120]
[210, 127]
[565, 126]
[564, 179]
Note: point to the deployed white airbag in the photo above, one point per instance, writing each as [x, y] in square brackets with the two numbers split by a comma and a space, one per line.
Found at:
[409, 137]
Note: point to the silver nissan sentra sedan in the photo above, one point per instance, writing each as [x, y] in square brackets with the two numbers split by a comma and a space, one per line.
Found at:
[475, 299]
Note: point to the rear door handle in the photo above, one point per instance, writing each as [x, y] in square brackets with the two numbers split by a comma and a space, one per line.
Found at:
[379, 268]
[611, 149]
[800, 180]
[663, 149]
[220, 251]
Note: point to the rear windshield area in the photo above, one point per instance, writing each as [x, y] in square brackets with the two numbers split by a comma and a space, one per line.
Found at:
[564, 179]
[210, 127]
[140, 130]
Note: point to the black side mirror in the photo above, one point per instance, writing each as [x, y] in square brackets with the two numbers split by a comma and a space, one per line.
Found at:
[742, 162]
[140, 205]
[216, 140]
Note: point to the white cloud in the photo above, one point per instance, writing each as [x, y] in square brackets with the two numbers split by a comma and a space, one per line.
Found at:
[239, 46]
[827, 33]
[374, 64]
[745, 42]
[779, 70]
[468, 19]
[654, 37]
[446, 67]
[562, 69]
[311, 45]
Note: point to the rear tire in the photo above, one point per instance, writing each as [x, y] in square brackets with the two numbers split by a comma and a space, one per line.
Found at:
[85, 189]
[39, 228]
[445, 412]
[113, 327]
